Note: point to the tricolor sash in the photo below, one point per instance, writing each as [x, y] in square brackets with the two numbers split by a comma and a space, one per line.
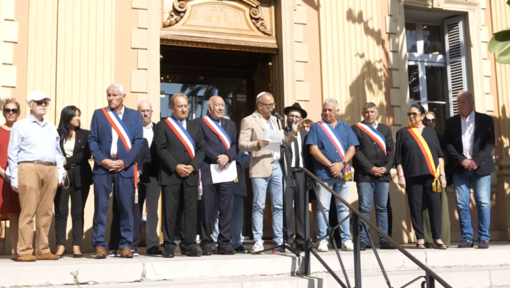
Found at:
[425, 150]
[123, 133]
[218, 130]
[182, 134]
[374, 134]
[337, 142]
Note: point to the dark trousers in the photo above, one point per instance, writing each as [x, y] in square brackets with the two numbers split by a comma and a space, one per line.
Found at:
[171, 196]
[295, 195]
[220, 195]
[123, 189]
[390, 216]
[115, 227]
[419, 194]
[78, 199]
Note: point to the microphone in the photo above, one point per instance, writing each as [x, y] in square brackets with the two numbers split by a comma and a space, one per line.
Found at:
[275, 114]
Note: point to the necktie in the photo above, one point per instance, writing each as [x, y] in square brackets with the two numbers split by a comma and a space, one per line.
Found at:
[297, 161]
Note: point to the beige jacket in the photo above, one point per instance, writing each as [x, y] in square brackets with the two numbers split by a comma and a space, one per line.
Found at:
[252, 130]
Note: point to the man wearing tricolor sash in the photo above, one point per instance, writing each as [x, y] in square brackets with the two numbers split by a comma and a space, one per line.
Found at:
[115, 140]
[373, 161]
[220, 135]
[181, 150]
[332, 145]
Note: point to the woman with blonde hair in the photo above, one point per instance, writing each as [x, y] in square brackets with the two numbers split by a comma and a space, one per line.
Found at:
[9, 200]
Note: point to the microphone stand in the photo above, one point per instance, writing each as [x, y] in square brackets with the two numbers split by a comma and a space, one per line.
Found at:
[284, 246]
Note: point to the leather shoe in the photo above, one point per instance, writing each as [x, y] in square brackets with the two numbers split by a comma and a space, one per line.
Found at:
[154, 250]
[483, 244]
[47, 256]
[226, 251]
[386, 245]
[206, 252]
[192, 252]
[362, 246]
[240, 249]
[168, 254]
[100, 253]
[126, 252]
[466, 244]
[26, 258]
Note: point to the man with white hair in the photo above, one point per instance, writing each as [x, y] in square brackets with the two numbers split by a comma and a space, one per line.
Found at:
[115, 140]
[265, 166]
[35, 168]
[332, 145]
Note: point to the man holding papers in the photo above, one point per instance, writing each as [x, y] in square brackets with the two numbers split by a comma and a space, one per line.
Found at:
[181, 151]
[265, 168]
[332, 145]
[218, 175]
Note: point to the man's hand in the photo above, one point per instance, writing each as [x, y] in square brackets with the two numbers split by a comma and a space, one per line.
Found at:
[106, 163]
[402, 182]
[466, 163]
[262, 143]
[222, 160]
[62, 182]
[336, 169]
[443, 181]
[65, 161]
[182, 170]
[117, 166]
[296, 125]
[375, 171]
[15, 189]
[190, 169]
[3, 175]
[473, 165]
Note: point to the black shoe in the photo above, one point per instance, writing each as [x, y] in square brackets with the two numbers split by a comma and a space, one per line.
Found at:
[386, 245]
[483, 244]
[206, 252]
[168, 254]
[428, 245]
[240, 249]
[154, 250]
[77, 255]
[214, 249]
[227, 251]
[438, 245]
[362, 246]
[466, 244]
[192, 252]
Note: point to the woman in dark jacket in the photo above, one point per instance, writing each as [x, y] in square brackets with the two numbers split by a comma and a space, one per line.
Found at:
[420, 167]
[74, 145]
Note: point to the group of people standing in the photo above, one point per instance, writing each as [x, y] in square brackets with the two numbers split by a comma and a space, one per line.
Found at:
[42, 166]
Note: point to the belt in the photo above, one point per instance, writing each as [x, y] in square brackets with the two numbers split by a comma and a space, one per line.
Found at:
[295, 170]
[114, 156]
[45, 163]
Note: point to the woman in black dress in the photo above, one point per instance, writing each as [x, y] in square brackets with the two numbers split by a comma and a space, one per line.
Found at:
[420, 166]
[75, 147]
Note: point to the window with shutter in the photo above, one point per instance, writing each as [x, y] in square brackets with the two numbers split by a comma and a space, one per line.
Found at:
[455, 46]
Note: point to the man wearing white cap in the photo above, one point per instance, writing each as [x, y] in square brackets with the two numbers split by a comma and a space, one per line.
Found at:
[265, 167]
[35, 170]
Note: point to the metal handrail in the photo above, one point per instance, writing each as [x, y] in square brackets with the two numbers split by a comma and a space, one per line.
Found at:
[429, 273]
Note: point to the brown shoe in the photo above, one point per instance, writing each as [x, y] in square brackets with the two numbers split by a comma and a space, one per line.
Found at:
[47, 256]
[100, 253]
[126, 253]
[26, 258]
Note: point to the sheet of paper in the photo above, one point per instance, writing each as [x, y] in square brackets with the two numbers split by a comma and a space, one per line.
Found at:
[275, 138]
[227, 175]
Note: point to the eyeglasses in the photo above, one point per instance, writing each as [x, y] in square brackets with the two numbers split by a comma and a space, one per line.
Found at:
[413, 114]
[268, 105]
[40, 103]
[7, 111]
[430, 120]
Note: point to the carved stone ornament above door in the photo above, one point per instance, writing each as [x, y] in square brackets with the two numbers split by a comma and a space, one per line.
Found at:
[220, 24]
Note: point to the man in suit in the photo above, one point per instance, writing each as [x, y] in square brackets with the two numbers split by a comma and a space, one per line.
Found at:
[115, 140]
[149, 189]
[469, 140]
[295, 179]
[265, 168]
[181, 151]
[220, 136]
[373, 161]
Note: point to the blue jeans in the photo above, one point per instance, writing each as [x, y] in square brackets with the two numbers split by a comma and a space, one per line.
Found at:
[237, 223]
[482, 192]
[380, 192]
[342, 188]
[260, 186]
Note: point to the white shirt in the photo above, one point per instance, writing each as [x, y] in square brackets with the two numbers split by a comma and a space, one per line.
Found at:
[270, 126]
[148, 134]
[115, 137]
[183, 122]
[294, 153]
[468, 134]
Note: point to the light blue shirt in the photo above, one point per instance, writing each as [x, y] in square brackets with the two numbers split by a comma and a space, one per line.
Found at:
[31, 141]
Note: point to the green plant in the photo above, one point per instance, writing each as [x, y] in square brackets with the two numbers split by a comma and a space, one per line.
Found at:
[500, 44]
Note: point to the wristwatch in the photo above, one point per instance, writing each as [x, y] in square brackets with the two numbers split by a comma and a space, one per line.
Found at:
[343, 162]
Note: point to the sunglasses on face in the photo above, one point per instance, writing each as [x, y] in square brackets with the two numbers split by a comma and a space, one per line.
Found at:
[430, 120]
[40, 103]
[7, 111]
[412, 114]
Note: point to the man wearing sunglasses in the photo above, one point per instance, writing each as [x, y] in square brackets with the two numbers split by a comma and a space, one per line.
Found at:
[35, 169]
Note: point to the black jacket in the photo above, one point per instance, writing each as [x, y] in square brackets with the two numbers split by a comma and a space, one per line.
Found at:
[77, 166]
[305, 152]
[143, 160]
[370, 154]
[172, 152]
[484, 140]
[149, 164]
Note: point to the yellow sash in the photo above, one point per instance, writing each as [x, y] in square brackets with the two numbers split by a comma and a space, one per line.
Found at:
[424, 147]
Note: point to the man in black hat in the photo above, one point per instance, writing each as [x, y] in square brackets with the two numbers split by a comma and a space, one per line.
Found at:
[296, 158]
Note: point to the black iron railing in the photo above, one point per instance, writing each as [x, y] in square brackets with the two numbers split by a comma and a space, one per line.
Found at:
[429, 279]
